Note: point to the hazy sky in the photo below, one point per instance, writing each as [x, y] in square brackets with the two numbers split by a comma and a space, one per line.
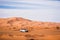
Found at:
[45, 10]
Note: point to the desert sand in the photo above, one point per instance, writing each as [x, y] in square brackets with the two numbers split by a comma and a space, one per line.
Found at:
[37, 30]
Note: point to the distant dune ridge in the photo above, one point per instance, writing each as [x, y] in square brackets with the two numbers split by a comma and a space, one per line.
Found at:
[36, 30]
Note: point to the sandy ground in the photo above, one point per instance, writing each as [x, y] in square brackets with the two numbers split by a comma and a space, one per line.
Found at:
[10, 29]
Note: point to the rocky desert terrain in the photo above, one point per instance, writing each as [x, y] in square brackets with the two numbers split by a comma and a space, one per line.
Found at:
[17, 28]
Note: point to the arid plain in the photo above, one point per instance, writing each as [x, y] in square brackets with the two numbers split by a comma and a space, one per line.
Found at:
[37, 30]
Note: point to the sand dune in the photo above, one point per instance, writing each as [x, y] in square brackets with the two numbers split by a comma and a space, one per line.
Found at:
[10, 29]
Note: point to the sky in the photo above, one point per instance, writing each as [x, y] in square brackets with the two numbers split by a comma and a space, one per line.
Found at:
[39, 10]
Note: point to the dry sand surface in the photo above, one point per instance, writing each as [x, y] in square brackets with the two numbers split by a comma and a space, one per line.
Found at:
[10, 29]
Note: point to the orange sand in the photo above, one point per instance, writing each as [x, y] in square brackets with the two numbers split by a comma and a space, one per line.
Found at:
[10, 29]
